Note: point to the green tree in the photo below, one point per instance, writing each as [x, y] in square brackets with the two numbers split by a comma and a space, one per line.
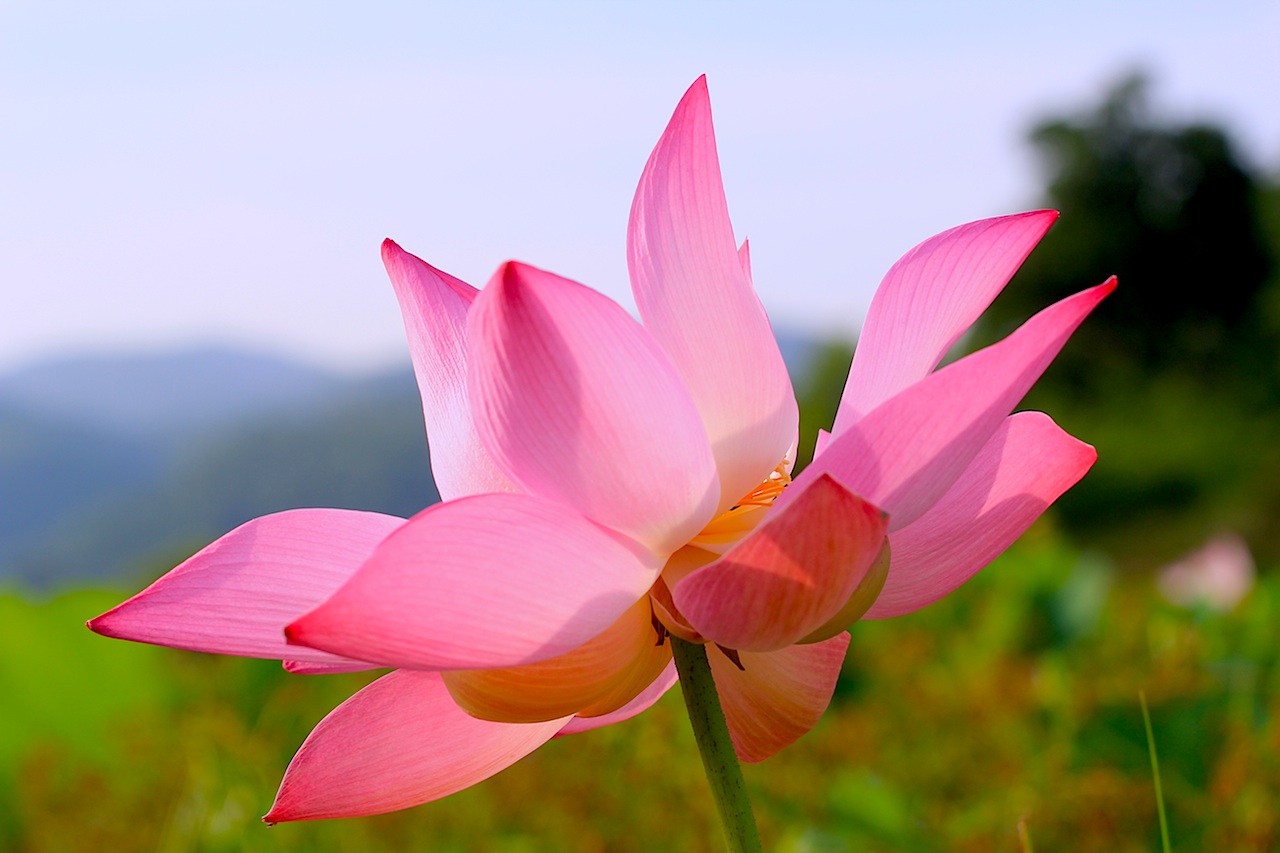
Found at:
[1176, 378]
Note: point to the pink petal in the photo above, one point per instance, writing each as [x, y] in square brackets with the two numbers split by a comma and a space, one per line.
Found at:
[777, 696]
[1024, 468]
[647, 698]
[485, 581]
[694, 293]
[928, 300]
[339, 665]
[235, 596]
[908, 451]
[578, 404]
[434, 305]
[790, 575]
[397, 743]
[744, 258]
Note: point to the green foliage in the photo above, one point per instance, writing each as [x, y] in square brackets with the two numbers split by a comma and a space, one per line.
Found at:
[1012, 701]
[1175, 377]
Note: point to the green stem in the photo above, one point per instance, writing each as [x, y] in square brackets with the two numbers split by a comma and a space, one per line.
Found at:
[718, 758]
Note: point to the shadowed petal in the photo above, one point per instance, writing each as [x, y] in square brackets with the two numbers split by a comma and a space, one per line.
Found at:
[927, 301]
[777, 696]
[434, 305]
[485, 581]
[578, 404]
[1024, 468]
[235, 596]
[647, 698]
[907, 453]
[694, 293]
[790, 575]
[397, 743]
[598, 677]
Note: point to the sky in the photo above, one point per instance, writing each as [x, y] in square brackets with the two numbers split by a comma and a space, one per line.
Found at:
[223, 172]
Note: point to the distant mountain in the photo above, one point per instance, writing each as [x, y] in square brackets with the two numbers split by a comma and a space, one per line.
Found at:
[104, 462]
[155, 392]
[109, 465]
[362, 448]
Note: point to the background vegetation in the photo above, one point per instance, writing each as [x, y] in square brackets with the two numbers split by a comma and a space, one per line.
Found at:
[1004, 717]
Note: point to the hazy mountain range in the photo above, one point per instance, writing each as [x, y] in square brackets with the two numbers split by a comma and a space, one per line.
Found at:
[114, 468]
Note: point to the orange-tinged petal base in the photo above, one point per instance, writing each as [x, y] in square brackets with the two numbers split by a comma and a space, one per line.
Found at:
[596, 678]
[678, 567]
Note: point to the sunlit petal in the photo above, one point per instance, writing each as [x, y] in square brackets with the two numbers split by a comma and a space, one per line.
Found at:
[579, 405]
[694, 293]
[397, 743]
[485, 581]
[1024, 468]
[236, 596]
[927, 301]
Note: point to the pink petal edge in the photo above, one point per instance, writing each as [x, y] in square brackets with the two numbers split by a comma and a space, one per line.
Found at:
[927, 301]
[694, 293]
[1024, 468]
[235, 596]
[908, 451]
[397, 743]
[434, 306]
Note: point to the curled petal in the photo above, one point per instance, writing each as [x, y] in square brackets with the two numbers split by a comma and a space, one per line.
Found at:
[598, 677]
[434, 305]
[485, 581]
[694, 294]
[646, 700]
[927, 301]
[859, 603]
[397, 743]
[908, 452]
[235, 596]
[776, 697]
[1025, 467]
[790, 575]
[578, 404]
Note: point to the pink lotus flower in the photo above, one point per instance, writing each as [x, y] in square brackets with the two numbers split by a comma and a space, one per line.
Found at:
[608, 482]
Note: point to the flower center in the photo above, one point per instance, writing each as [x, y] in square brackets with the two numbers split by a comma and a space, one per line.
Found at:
[740, 519]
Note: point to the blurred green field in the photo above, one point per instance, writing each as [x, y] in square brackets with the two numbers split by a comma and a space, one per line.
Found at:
[1012, 704]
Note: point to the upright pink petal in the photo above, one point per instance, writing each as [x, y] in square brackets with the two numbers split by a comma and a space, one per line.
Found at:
[646, 700]
[1024, 468]
[236, 596]
[790, 575]
[434, 305]
[776, 697]
[578, 404]
[908, 451]
[485, 581]
[927, 301]
[397, 743]
[694, 293]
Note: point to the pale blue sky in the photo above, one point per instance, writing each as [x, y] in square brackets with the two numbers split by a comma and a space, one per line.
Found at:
[179, 172]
